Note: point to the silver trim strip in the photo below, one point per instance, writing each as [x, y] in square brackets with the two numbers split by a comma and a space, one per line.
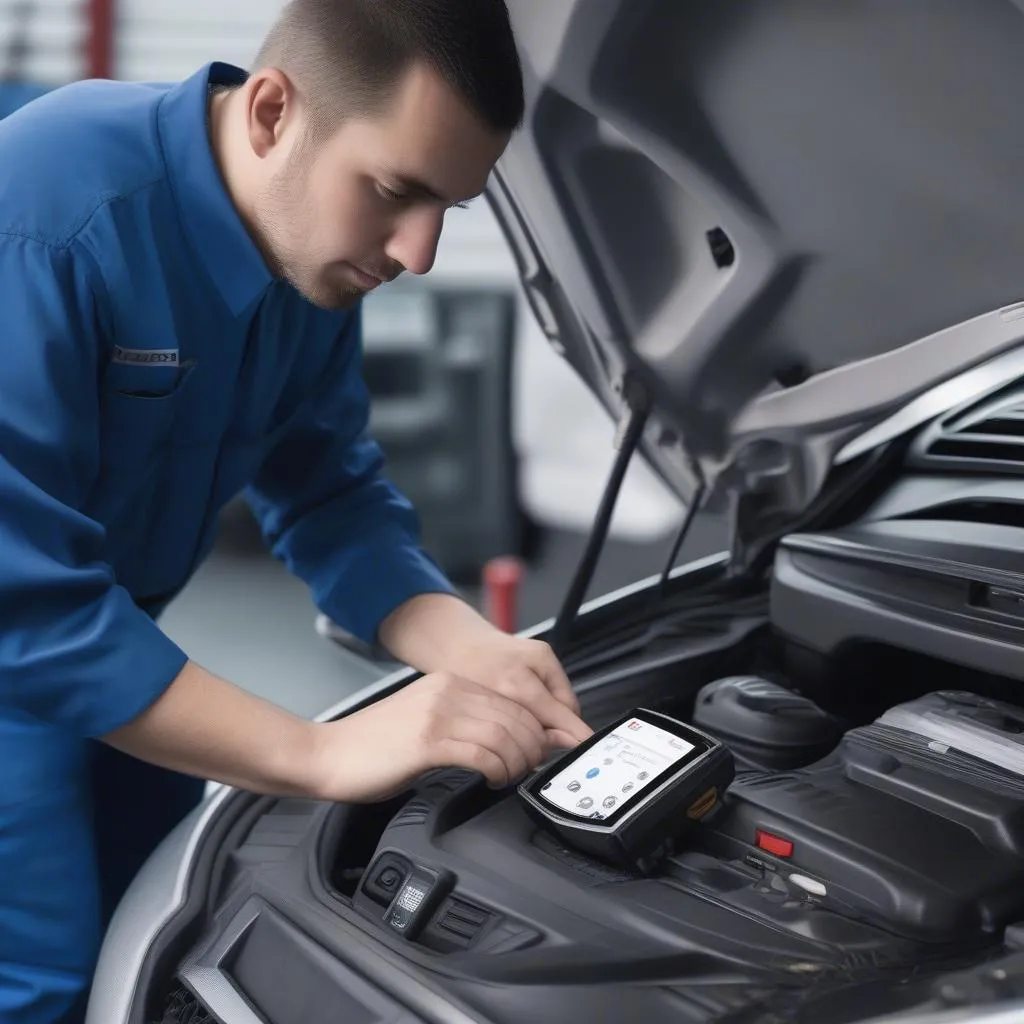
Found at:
[156, 894]
[209, 982]
[973, 384]
[209, 977]
[1011, 1013]
[859, 389]
[214, 990]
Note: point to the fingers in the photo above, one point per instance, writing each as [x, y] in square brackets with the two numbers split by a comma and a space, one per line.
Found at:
[556, 739]
[495, 751]
[503, 730]
[489, 747]
[550, 670]
[467, 754]
[443, 720]
[525, 729]
[462, 717]
[526, 688]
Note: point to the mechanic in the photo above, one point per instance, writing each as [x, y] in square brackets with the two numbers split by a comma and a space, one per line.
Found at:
[180, 275]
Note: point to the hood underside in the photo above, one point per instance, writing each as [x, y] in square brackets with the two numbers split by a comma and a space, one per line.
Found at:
[774, 223]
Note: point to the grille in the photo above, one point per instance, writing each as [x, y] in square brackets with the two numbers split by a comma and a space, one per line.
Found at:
[183, 1008]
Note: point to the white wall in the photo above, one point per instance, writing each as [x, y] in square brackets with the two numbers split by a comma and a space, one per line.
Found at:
[162, 41]
[155, 40]
[56, 35]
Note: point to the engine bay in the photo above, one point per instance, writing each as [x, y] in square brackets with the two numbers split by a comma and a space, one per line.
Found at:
[900, 848]
[867, 857]
[851, 868]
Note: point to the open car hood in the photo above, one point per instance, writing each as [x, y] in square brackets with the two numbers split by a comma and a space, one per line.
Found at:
[773, 223]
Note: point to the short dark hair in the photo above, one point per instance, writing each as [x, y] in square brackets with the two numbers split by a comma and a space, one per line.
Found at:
[347, 55]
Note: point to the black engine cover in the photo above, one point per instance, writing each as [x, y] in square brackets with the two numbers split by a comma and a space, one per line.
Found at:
[890, 828]
[905, 858]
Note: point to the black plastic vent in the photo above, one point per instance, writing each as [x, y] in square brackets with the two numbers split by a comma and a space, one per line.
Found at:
[991, 513]
[988, 449]
[1009, 423]
[461, 922]
[413, 813]
[985, 436]
[183, 1008]
[448, 780]
[722, 250]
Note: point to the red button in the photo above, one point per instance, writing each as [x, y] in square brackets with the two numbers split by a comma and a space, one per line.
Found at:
[775, 845]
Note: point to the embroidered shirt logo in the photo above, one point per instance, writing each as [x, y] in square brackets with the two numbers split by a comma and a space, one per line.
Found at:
[146, 356]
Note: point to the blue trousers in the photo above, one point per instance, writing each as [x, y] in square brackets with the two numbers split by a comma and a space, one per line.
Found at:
[77, 821]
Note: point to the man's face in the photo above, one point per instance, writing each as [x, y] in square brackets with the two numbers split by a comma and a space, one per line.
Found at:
[342, 215]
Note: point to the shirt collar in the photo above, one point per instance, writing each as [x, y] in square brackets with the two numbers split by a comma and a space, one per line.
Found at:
[222, 242]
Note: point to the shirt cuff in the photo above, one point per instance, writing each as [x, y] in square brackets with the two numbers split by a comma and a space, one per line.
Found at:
[379, 577]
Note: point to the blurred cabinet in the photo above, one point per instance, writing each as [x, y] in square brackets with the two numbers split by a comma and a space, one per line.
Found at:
[438, 364]
[42, 44]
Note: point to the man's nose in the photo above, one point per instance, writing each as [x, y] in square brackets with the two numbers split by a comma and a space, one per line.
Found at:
[414, 243]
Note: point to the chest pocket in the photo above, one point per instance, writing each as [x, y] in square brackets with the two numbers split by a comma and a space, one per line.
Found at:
[138, 412]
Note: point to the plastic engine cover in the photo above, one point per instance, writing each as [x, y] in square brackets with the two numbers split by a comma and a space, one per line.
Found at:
[909, 823]
[764, 724]
[986, 729]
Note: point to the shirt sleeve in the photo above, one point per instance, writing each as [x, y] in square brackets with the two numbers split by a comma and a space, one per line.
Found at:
[327, 511]
[74, 648]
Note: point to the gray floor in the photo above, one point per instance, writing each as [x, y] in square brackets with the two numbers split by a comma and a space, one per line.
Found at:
[247, 619]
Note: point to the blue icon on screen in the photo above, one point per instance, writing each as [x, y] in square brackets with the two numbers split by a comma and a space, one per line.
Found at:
[593, 773]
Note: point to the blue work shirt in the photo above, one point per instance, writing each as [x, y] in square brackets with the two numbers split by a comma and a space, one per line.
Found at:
[151, 369]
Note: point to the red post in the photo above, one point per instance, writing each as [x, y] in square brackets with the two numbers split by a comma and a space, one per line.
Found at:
[99, 46]
[502, 577]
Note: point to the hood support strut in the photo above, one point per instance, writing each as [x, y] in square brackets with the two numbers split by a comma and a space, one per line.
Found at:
[690, 514]
[627, 440]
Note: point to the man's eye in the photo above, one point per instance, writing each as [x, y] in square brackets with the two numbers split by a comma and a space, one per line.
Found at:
[389, 193]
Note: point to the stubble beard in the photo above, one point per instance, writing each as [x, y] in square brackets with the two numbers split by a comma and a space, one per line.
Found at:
[281, 207]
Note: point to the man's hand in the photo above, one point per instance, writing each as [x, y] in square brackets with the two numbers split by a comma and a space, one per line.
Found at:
[436, 632]
[491, 702]
[437, 721]
[204, 726]
[527, 672]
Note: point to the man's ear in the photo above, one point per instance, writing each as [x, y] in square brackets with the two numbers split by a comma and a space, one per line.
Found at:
[271, 108]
